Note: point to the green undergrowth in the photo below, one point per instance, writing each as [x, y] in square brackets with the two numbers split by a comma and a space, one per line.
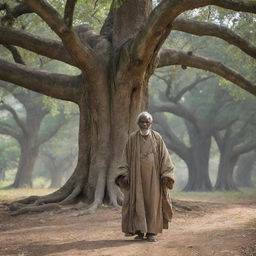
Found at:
[244, 195]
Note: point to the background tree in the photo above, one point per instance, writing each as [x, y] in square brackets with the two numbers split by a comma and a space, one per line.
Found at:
[9, 153]
[26, 130]
[200, 105]
[111, 89]
[59, 155]
[232, 143]
[245, 168]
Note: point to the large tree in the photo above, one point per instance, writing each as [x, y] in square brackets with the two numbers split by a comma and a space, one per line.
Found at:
[115, 66]
[236, 140]
[201, 105]
[26, 129]
[245, 168]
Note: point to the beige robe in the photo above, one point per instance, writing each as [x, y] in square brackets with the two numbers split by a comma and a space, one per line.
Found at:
[147, 205]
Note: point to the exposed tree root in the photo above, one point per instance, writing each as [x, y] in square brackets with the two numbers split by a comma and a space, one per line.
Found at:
[72, 197]
[182, 206]
[18, 208]
[28, 200]
[37, 208]
[15, 206]
[91, 209]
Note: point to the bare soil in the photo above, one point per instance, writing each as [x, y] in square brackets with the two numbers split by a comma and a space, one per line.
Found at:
[211, 229]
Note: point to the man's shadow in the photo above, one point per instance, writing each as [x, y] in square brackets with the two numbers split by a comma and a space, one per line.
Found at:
[83, 245]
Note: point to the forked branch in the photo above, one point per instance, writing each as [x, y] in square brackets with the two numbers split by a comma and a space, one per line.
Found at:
[11, 13]
[47, 47]
[83, 55]
[172, 57]
[69, 12]
[209, 29]
[159, 23]
[13, 112]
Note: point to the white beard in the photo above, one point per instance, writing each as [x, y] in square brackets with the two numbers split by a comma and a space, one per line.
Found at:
[144, 132]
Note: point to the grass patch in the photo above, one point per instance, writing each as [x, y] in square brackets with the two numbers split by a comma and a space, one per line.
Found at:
[247, 195]
[19, 193]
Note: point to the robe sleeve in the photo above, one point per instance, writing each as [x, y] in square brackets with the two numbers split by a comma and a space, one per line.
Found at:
[166, 164]
[123, 169]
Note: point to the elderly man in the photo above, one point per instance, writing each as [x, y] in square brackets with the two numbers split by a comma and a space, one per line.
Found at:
[145, 176]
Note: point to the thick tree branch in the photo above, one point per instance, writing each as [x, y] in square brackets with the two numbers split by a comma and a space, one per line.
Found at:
[69, 12]
[107, 27]
[55, 85]
[173, 57]
[50, 48]
[209, 29]
[244, 148]
[9, 130]
[50, 133]
[223, 124]
[189, 88]
[83, 55]
[159, 24]
[177, 109]
[15, 12]
[18, 121]
[176, 144]
[15, 53]
[242, 131]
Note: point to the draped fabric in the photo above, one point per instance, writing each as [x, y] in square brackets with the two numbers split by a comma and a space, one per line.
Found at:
[147, 205]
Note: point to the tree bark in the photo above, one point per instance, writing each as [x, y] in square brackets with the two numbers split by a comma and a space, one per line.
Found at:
[29, 147]
[225, 180]
[199, 179]
[28, 156]
[246, 165]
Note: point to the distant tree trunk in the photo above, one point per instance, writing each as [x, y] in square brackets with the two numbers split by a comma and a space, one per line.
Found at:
[56, 178]
[57, 166]
[230, 148]
[246, 164]
[2, 174]
[199, 179]
[200, 143]
[225, 180]
[29, 147]
[28, 156]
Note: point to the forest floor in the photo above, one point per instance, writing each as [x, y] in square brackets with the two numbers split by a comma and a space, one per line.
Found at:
[214, 227]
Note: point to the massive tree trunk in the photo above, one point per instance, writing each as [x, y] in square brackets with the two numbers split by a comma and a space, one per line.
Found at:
[109, 105]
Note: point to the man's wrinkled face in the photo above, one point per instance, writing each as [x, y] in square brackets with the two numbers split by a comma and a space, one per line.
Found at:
[144, 123]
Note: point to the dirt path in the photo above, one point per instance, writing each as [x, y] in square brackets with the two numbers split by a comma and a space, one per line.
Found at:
[217, 229]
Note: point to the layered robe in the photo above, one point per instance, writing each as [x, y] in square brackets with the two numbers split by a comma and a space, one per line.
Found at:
[147, 205]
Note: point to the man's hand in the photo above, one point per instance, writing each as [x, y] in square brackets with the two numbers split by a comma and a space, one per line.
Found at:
[168, 182]
[123, 181]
